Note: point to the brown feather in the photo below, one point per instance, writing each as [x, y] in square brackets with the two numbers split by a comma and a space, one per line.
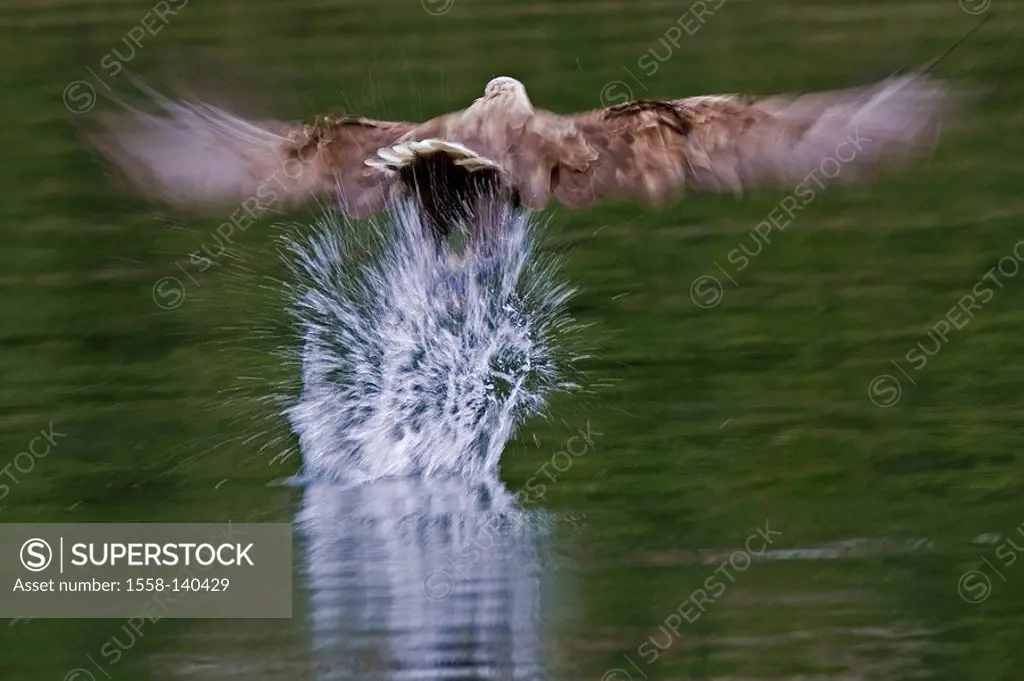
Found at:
[193, 154]
[343, 144]
[652, 150]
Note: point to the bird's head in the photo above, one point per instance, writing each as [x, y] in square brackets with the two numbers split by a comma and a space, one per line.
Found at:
[504, 86]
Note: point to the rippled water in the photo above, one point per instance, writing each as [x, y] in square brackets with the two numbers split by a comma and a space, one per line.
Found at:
[422, 579]
[417, 367]
[899, 523]
[418, 363]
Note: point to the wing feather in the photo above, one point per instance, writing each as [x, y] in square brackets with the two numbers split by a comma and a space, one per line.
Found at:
[651, 150]
[195, 155]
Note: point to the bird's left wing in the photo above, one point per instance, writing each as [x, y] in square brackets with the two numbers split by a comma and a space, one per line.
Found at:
[651, 149]
[195, 155]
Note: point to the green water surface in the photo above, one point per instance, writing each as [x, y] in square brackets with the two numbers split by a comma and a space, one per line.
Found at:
[713, 420]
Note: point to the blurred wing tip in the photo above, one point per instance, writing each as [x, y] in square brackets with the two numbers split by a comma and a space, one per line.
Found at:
[186, 152]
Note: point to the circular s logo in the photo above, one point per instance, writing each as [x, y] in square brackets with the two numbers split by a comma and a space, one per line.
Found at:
[974, 586]
[616, 92]
[438, 585]
[706, 291]
[79, 97]
[437, 8]
[36, 555]
[975, 6]
[79, 674]
[884, 391]
[168, 293]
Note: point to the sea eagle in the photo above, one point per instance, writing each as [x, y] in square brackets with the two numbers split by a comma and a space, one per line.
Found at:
[193, 154]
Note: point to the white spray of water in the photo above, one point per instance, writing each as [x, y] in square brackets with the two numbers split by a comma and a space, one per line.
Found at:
[422, 362]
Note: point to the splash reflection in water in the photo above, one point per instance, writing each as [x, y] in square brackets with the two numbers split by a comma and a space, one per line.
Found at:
[416, 368]
[421, 579]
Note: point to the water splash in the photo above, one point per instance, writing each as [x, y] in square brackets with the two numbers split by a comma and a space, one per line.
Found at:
[422, 361]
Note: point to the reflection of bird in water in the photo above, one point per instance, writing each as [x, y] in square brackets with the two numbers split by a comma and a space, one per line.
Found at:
[650, 150]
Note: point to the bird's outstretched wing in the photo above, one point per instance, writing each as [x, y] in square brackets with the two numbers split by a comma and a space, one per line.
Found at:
[650, 150]
[195, 155]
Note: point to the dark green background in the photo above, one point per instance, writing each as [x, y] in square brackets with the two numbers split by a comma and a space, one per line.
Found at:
[711, 420]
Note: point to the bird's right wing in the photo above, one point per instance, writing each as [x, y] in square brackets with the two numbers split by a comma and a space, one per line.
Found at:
[195, 155]
[651, 149]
